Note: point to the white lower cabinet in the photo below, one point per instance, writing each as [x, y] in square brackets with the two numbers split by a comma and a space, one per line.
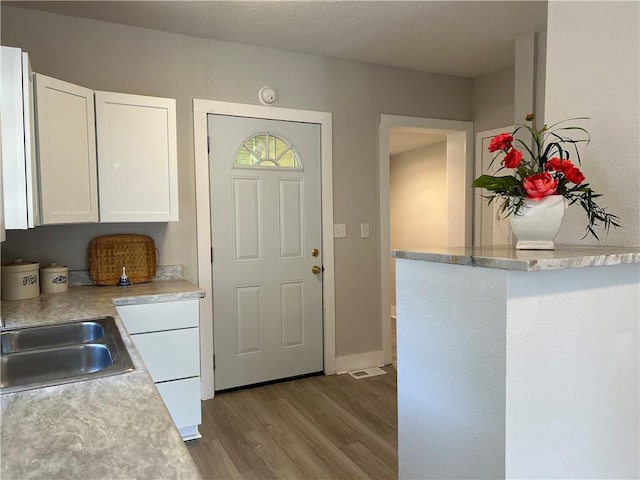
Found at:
[167, 337]
[182, 398]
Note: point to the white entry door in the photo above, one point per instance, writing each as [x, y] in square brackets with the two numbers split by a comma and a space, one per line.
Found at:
[266, 237]
[490, 230]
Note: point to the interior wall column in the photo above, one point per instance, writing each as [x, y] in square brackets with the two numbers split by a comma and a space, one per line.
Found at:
[525, 78]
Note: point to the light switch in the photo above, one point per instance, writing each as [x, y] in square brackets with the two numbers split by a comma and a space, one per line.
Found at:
[364, 230]
[339, 230]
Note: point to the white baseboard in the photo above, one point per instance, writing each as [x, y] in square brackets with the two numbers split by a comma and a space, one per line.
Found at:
[359, 361]
[393, 311]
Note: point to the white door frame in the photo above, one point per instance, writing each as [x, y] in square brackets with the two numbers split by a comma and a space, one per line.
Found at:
[477, 165]
[459, 198]
[201, 108]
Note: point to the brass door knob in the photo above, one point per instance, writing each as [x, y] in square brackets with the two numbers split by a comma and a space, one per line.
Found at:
[315, 252]
[316, 269]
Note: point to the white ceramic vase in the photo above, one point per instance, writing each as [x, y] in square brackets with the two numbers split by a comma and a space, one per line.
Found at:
[538, 222]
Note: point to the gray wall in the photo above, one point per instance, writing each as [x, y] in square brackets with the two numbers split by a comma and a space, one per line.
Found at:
[493, 99]
[119, 58]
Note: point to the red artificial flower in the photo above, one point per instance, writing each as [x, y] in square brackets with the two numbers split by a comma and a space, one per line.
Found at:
[574, 175]
[566, 167]
[539, 186]
[512, 158]
[559, 165]
[501, 142]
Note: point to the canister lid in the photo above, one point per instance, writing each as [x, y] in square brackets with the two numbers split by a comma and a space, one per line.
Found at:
[53, 267]
[19, 265]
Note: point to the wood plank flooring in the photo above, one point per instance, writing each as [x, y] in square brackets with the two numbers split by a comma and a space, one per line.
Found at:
[323, 427]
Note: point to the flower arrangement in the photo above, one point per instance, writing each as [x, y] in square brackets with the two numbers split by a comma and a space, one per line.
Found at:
[547, 171]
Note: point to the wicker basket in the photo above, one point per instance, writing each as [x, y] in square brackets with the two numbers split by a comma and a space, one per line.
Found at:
[109, 253]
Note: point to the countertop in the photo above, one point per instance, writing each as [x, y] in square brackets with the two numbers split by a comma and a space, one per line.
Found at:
[113, 427]
[506, 258]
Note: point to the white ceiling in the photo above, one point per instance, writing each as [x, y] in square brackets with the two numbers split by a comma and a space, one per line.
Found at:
[464, 38]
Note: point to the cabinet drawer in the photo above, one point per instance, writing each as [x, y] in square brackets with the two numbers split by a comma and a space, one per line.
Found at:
[182, 398]
[170, 355]
[154, 317]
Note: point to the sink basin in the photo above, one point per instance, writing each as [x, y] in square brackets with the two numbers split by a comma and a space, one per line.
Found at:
[49, 364]
[47, 336]
[41, 356]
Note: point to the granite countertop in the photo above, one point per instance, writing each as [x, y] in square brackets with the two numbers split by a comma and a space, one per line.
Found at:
[506, 258]
[112, 427]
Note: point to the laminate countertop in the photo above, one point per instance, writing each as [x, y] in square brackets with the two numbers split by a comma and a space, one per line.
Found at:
[507, 258]
[113, 427]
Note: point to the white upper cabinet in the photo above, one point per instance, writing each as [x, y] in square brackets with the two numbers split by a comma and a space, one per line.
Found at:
[65, 126]
[137, 158]
[20, 193]
[105, 156]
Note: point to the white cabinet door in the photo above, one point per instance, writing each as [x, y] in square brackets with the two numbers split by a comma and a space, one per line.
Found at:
[182, 398]
[31, 168]
[65, 134]
[137, 158]
[170, 355]
[18, 152]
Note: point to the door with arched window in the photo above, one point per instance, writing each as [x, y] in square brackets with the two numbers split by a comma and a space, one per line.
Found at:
[266, 237]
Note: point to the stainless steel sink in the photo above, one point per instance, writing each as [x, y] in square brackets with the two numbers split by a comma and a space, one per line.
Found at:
[48, 336]
[34, 357]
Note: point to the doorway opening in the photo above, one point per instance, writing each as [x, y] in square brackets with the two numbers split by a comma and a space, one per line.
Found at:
[442, 151]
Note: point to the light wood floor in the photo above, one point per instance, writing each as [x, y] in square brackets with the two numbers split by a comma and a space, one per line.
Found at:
[323, 427]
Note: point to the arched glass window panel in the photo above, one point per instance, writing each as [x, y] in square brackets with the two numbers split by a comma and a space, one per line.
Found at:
[265, 150]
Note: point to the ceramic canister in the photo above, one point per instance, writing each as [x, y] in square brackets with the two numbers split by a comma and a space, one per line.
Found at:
[20, 280]
[54, 278]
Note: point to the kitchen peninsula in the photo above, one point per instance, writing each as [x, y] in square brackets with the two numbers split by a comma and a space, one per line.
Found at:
[518, 364]
[110, 427]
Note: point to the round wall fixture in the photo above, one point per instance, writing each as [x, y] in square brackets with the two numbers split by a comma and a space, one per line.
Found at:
[267, 95]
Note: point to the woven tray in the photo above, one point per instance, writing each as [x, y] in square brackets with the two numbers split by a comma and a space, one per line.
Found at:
[109, 253]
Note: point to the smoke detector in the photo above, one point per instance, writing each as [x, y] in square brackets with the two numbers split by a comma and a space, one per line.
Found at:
[267, 95]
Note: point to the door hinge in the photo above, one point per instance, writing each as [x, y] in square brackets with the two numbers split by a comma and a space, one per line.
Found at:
[211, 254]
[214, 361]
[208, 144]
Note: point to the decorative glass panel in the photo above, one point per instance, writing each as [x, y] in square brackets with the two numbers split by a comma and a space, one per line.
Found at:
[265, 150]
